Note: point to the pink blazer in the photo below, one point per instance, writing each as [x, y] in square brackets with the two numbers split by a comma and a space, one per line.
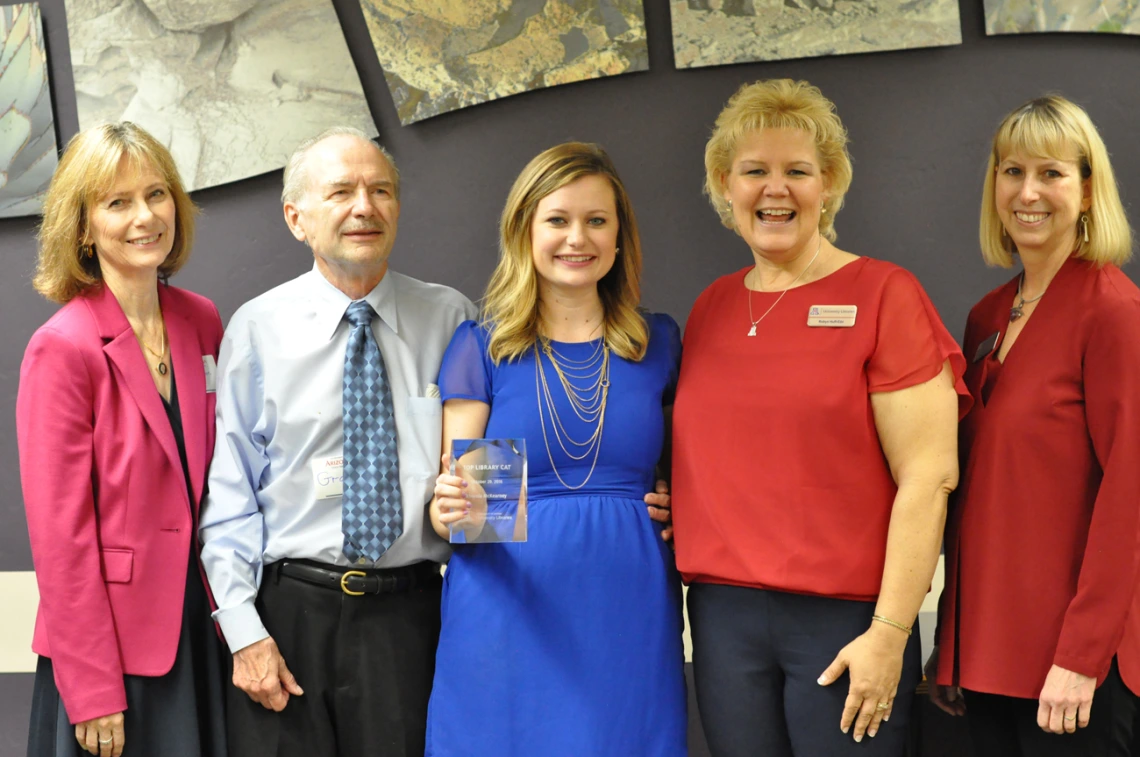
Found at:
[108, 515]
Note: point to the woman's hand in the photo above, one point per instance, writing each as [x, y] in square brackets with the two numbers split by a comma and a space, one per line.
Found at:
[874, 663]
[102, 736]
[946, 698]
[659, 504]
[458, 501]
[1066, 701]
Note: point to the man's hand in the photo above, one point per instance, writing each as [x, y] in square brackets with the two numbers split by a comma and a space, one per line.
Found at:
[260, 671]
[659, 511]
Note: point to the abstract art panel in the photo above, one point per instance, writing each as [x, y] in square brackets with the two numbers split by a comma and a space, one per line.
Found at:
[27, 129]
[1026, 16]
[718, 32]
[443, 55]
[230, 86]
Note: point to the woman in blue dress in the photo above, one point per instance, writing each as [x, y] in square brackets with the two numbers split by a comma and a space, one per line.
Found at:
[568, 643]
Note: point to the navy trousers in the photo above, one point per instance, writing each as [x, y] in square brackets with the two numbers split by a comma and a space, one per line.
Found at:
[756, 657]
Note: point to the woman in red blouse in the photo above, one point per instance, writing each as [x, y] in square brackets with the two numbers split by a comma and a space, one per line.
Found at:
[814, 446]
[1041, 607]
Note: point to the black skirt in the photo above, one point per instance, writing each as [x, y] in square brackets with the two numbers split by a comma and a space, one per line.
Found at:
[180, 714]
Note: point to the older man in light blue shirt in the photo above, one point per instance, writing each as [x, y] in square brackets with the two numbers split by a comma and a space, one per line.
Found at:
[358, 636]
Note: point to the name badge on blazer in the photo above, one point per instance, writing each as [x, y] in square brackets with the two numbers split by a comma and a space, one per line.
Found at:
[832, 316]
[986, 347]
[211, 373]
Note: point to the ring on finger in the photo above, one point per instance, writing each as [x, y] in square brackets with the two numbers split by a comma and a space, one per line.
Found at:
[1070, 717]
[106, 741]
[883, 706]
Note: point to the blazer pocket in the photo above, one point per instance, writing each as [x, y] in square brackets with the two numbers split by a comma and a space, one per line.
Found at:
[117, 565]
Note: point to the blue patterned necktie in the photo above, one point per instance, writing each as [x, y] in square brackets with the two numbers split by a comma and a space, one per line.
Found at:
[371, 508]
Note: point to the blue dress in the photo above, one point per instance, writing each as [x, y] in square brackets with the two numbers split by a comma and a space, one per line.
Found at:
[568, 644]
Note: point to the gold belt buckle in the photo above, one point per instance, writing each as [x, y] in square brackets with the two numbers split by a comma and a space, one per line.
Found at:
[344, 582]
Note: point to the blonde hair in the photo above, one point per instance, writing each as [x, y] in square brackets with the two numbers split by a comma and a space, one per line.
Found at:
[780, 104]
[86, 172]
[510, 306]
[1054, 127]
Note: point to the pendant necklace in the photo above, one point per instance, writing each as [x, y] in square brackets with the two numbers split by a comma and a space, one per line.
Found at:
[161, 354]
[756, 322]
[1017, 310]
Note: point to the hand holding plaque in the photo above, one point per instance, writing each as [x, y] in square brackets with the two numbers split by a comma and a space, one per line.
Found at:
[495, 474]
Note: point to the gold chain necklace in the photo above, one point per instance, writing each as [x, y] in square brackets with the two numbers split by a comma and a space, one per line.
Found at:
[588, 402]
[161, 354]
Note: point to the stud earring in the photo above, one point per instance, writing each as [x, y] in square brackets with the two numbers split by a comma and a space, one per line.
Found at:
[730, 203]
[617, 250]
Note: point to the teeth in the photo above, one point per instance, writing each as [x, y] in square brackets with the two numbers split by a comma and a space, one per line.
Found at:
[576, 258]
[777, 212]
[1031, 217]
[146, 240]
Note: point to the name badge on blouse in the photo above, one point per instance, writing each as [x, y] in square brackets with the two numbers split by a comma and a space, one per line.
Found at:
[986, 347]
[832, 316]
[211, 368]
[328, 477]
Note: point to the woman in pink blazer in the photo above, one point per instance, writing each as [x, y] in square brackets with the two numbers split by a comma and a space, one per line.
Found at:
[115, 423]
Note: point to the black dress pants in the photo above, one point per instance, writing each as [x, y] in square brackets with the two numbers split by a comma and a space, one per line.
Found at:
[366, 665]
[756, 657]
[1002, 726]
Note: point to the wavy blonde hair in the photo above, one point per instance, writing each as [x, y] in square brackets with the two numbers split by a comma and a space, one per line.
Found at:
[1054, 127]
[86, 172]
[780, 104]
[510, 306]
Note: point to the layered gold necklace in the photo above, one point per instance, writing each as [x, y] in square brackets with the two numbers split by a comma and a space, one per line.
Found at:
[586, 384]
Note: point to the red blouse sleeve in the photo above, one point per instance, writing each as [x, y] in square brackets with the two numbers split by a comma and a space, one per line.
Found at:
[1095, 620]
[911, 341]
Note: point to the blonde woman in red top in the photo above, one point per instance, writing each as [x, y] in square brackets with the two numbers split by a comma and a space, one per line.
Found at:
[814, 446]
[1040, 618]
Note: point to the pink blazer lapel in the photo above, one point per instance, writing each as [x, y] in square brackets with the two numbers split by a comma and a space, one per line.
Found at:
[190, 375]
[125, 353]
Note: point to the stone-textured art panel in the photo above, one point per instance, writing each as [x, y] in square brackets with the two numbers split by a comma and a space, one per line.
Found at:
[230, 86]
[718, 32]
[442, 55]
[1027, 16]
[27, 129]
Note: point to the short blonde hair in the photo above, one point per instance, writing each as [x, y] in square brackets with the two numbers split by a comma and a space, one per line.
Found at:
[86, 172]
[780, 104]
[1054, 127]
[510, 306]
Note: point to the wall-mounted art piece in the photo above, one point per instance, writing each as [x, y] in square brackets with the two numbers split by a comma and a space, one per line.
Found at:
[230, 86]
[443, 55]
[1027, 16]
[27, 130]
[718, 32]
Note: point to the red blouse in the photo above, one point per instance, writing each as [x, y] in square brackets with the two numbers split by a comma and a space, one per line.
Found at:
[779, 480]
[1042, 547]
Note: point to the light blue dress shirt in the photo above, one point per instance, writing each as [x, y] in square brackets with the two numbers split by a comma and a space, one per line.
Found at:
[279, 384]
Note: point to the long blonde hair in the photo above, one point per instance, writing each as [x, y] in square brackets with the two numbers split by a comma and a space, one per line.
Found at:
[1053, 127]
[86, 172]
[510, 306]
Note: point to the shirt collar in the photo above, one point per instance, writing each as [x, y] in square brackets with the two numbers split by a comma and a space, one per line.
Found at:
[331, 303]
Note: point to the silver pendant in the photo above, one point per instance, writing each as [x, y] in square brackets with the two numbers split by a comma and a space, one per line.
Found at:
[752, 331]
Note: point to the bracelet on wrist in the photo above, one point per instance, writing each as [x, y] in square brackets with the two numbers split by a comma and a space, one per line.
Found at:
[892, 623]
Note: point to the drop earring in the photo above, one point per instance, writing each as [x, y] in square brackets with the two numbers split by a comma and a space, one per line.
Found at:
[1085, 226]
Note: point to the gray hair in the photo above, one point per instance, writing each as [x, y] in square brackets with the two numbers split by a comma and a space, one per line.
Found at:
[297, 177]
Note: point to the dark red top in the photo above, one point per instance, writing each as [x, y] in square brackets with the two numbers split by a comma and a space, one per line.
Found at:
[1042, 547]
[779, 480]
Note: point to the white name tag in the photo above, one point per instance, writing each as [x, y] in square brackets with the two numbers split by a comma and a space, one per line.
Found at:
[832, 316]
[328, 475]
[211, 373]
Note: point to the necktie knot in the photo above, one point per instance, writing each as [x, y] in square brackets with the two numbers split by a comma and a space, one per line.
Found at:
[360, 313]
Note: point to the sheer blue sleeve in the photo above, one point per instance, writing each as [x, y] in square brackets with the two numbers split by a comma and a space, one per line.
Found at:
[466, 370]
[664, 330]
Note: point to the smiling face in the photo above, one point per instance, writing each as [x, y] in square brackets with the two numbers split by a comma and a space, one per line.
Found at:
[132, 225]
[776, 189]
[348, 213]
[1040, 199]
[574, 234]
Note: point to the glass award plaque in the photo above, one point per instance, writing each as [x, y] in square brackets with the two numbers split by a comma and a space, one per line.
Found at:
[495, 472]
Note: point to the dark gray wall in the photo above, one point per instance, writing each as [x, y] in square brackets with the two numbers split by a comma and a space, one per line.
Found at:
[919, 121]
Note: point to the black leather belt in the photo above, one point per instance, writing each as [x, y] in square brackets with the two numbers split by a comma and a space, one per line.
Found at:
[356, 582]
